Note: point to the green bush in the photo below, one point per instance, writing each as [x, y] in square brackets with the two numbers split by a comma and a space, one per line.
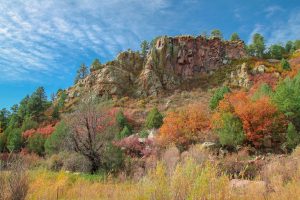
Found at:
[231, 131]
[144, 134]
[218, 96]
[292, 137]
[285, 65]
[124, 133]
[36, 144]
[287, 98]
[263, 90]
[14, 140]
[2, 142]
[113, 159]
[154, 119]
[55, 141]
[29, 124]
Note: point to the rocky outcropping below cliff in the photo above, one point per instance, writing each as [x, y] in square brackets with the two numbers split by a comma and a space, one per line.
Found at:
[169, 63]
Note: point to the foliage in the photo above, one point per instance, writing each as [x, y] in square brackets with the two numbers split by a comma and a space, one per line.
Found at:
[216, 34]
[234, 37]
[55, 142]
[154, 119]
[91, 131]
[124, 133]
[292, 137]
[121, 120]
[230, 130]
[287, 98]
[96, 65]
[276, 51]
[263, 91]
[29, 124]
[55, 113]
[257, 47]
[81, 73]
[134, 147]
[2, 142]
[37, 104]
[4, 119]
[36, 144]
[218, 96]
[144, 133]
[185, 126]
[145, 48]
[61, 101]
[262, 123]
[285, 65]
[14, 140]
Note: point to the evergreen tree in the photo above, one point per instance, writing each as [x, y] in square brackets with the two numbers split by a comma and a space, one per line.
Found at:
[234, 37]
[154, 119]
[216, 34]
[257, 47]
[82, 73]
[14, 140]
[36, 144]
[37, 104]
[55, 142]
[285, 65]
[218, 96]
[96, 65]
[145, 48]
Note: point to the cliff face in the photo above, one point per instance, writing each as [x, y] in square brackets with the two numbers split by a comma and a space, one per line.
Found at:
[171, 62]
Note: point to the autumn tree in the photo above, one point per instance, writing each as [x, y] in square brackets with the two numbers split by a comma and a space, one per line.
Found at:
[185, 126]
[91, 133]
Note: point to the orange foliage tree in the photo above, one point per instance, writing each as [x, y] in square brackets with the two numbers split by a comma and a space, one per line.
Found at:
[262, 123]
[185, 126]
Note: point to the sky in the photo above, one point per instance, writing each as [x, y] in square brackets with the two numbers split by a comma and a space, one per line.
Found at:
[43, 42]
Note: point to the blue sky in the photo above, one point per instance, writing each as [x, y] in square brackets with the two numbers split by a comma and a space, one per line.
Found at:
[43, 42]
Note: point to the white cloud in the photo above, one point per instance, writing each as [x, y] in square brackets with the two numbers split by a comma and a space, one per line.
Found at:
[39, 36]
[273, 9]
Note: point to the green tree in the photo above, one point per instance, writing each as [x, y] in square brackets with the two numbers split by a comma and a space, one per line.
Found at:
[96, 65]
[297, 44]
[234, 37]
[62, 98]
[257, 47]
[55, 142]
[285, 65]
[292, 137]
[145, 48]
[231, 132]
[14, 140]
[218, 96]
[287, 98]
[2, 142]
[4, 119]
[37, 104]
[289, 47]
[216, 34]
[276, 51]
[23, 110]
[29, 124]
[81, 73]
[55, 113]
[36, 144]
[154, 119]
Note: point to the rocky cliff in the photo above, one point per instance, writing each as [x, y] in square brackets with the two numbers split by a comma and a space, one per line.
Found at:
[169, 63]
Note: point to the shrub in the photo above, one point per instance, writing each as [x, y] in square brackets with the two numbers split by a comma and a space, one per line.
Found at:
[2, 142]
[29, 124]
[230, 130]
[36, 144]
[285, 64]
[56, 161]
[263, 90]
[144, 133]
[184, 127]
[76, 163]
[14, 140]
[217, 97]
[292, 137]
[121, 120]
[154, 119]
[55, 142]
[287, 98]
[113, 159]
[124, 133]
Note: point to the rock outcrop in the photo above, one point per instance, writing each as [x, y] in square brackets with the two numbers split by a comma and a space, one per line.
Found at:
[169, 63]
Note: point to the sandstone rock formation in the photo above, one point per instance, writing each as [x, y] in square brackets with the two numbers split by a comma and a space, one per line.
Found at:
[169, 63]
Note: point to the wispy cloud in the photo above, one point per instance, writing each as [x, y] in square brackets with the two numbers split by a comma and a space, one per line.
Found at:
[36, 36]
[273, 9]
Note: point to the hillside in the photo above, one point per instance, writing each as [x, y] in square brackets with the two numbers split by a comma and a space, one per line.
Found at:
[183, 118]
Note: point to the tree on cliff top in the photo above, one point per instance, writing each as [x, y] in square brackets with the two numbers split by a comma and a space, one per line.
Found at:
[82, 73]
[216, 34]
[234, 37]
[257, 47]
